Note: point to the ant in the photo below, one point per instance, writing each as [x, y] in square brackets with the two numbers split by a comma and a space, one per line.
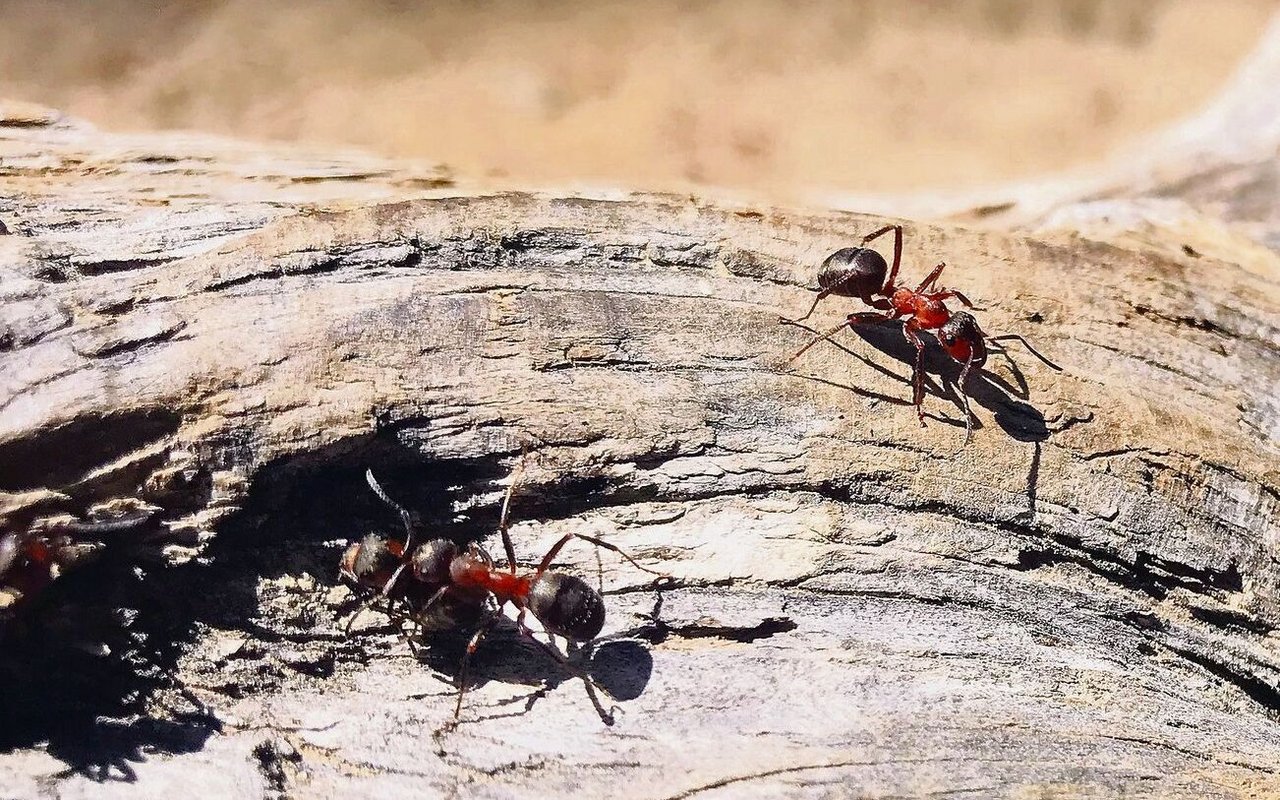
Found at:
[862, 273]
[33, 558]
[464, 584]
[27, 564]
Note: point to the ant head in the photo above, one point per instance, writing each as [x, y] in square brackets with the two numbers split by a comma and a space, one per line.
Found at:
[431, 560]
[566, 606]
[369, 562]
[963, 339]
[853, 272]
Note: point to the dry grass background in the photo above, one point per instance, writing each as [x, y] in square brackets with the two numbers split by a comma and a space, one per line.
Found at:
[766, 96]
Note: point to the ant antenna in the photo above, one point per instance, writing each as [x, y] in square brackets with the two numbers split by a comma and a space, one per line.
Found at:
[404, 514]
[408, 528]
[1027, 345]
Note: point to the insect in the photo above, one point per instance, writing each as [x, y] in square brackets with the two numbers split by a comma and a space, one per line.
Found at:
[33, 557]
[437, 577]
[863, 273]
[27, 564]
[413, 581]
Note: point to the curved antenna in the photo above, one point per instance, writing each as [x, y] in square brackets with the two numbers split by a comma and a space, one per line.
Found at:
[404, 514]
[1027, 345]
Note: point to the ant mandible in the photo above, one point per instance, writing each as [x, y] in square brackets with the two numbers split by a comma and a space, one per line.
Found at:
[467, 580]
[862, 273]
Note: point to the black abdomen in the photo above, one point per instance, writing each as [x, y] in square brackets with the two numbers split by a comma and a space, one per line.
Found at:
[566, 606]
[853, 272]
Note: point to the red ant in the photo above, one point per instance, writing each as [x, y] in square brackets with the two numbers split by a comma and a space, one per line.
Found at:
[861, 272]
[443, 576]
[27, 563]
[31, 560]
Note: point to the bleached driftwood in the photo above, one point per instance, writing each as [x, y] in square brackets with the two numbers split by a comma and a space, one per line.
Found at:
[1081, 603]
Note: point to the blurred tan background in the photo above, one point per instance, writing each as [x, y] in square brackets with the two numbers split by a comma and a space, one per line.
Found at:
[780, 98]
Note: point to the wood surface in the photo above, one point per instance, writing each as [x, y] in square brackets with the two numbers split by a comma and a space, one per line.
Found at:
[216, 339]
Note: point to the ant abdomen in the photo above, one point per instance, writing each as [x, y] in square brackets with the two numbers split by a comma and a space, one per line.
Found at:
[567, 606]
[853, 272]
[431, 561]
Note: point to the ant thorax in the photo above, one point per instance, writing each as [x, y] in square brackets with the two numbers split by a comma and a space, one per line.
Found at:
[903, 300]
[928, 312]
[469, 570]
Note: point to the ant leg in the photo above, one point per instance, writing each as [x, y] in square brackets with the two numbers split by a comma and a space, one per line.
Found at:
[931, 278]
[820, 337]
[968, 415]
[407, 638]
[917, 373]
[897, 252]
[351, 621]
[390, 611]
[503, 523]
[404, 514]
[431, 601]
[1027, 345]
[551, 554]
[366, 604]
[943, 295]
[822, 293]
[476, 638]
[850, 321]
[391, 582]
[547, 647]
[403, 617]
[568, 666]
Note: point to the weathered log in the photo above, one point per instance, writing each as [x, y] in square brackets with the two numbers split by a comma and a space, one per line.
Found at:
[1080, 603]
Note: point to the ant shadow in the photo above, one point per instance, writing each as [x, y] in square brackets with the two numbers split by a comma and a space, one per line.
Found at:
[618, 664]
[1007, 402]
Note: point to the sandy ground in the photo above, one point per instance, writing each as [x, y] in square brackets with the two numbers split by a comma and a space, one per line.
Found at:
[764, 96]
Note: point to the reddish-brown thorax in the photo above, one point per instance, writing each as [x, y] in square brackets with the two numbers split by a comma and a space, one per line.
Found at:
[929, 313]
[471, 572]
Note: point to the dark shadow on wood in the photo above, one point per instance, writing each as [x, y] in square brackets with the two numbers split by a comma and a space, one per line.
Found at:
[1017, 418]
[300, 512]
[84, 668]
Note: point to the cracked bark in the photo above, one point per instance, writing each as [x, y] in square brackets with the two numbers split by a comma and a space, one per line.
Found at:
[213, 347]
